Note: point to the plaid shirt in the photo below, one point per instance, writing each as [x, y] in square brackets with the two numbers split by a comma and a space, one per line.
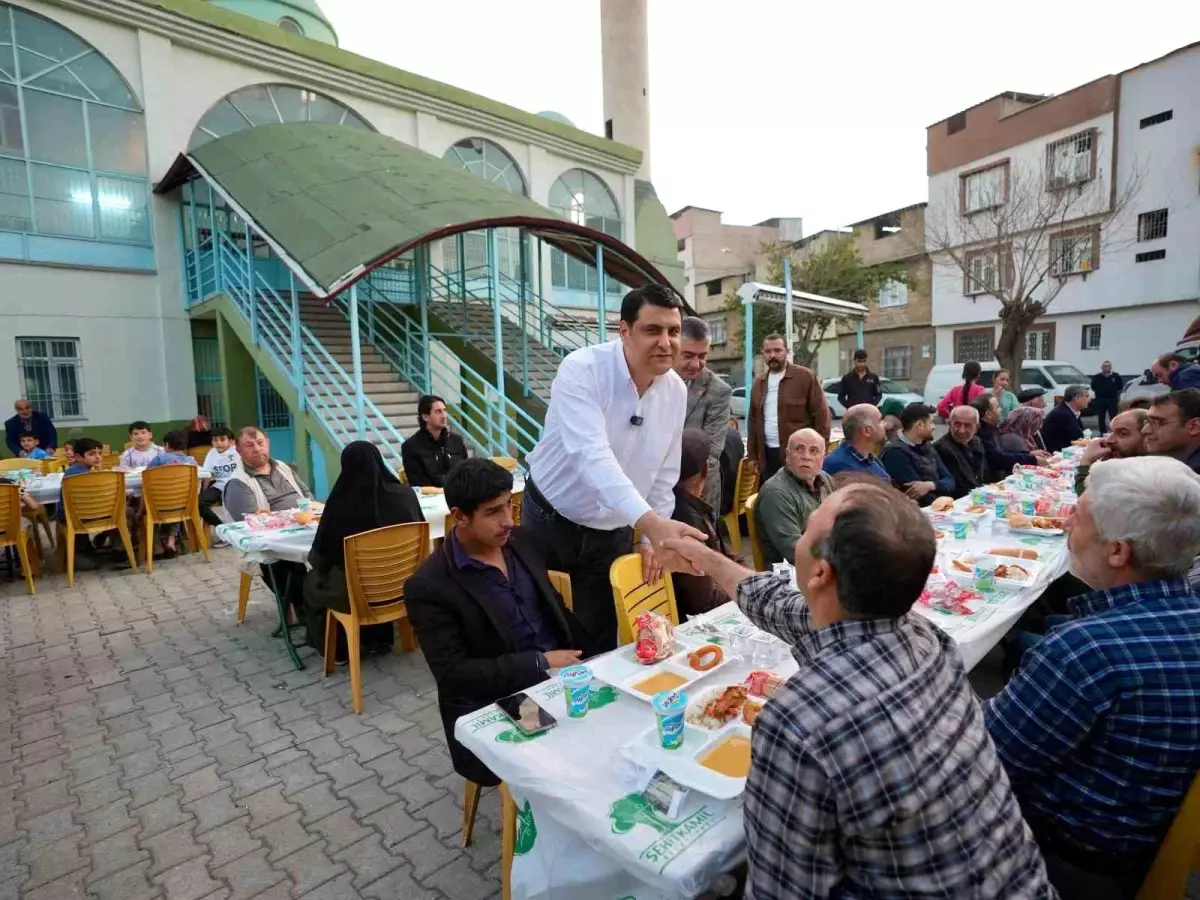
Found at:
[1100, 729]
[871, 772]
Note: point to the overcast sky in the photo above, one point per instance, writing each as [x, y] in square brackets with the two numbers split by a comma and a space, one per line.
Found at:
[766, 108]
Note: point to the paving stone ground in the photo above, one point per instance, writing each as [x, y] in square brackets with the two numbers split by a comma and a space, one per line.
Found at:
[151, 748]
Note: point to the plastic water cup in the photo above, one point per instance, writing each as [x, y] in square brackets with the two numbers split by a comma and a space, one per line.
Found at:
[1001, 507]
[669, 708]
[577, 686]
[764, 650]
[738, 638]
[985, 574]
[979, 497]
[1028, 480]
[1029, 507]
[960, 527]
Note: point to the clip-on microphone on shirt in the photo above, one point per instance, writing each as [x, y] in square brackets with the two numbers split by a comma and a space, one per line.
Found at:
[636, 420]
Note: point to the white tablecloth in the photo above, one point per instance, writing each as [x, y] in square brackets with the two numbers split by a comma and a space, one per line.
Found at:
[293, 543]
[570, 840]
[565, 783]
[48, 488]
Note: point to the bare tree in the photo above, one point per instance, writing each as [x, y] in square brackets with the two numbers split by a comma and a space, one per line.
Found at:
[1019, 233]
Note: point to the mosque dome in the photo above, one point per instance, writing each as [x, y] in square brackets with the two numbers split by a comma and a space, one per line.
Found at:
[556, 117]
[302, 17]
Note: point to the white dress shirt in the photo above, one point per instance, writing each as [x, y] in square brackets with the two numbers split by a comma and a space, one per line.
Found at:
[592, 464]
[771, 410]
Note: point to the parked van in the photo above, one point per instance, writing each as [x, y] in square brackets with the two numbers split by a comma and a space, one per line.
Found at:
[1050, 374]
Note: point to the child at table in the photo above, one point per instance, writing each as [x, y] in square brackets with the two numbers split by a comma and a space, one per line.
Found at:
[88, 455]
[68, 449]
[222, 461]
[143, 452]
[30, 448]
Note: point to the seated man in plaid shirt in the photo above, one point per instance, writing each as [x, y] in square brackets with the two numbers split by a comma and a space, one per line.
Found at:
[1100, 729]
[871, 773]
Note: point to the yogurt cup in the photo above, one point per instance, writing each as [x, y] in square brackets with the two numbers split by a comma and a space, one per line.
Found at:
[960, 527]
[1001, 507]
[670, 708]
[577, 688]
[979, 497]
[1029, 507]
[985, 574]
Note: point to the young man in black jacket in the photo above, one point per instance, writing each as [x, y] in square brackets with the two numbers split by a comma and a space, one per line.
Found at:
[430, 454]
[911, 460]
[860, 384]
[1061, 425]
[488, 621]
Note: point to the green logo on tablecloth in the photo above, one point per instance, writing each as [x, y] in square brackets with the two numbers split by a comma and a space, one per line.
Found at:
[673, 837]
[526, 831]
[512, 736]
[602, 696]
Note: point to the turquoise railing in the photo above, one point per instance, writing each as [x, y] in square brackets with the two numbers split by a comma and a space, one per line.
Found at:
[478, 409]
[321, 384]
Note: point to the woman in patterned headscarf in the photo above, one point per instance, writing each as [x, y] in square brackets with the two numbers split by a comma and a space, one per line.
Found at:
[199, 433]
[1021, 431]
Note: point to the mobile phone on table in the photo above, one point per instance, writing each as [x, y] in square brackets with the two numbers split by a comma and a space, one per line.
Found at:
[525, 713]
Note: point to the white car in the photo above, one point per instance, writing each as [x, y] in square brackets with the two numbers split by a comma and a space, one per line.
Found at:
[892, 390]
[738, 405]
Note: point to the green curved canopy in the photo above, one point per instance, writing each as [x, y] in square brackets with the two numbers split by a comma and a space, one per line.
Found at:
[338, 202]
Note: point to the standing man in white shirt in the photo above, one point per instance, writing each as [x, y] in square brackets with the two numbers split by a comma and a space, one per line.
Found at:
[609, 458]
[784, 399]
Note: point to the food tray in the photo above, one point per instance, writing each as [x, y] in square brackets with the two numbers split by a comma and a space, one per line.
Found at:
[623, 671]
[684, 763]
[1037, 532]
[967, 579]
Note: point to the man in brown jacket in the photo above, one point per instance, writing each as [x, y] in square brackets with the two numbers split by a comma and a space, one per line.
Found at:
[784, 399]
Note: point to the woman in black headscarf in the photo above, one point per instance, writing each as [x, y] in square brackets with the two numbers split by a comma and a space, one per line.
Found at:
[365, 496]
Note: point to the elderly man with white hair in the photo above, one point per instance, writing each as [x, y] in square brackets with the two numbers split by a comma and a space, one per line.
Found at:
[962, 451]
[862, 427]
[1100, 729]
[791, 495]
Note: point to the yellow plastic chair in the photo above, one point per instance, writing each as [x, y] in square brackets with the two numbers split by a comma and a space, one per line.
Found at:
[243, 596]
[13, 532]
[1177, 856]
[518, 498]
[53, 465]
[110, 460]
[632, 596]
[506, 462]
[59, 453]
[561, 582]
[199, 454]
[756, 550]
[93, 502]
[746, 484]
[170, 496]
[128, 444]
[14, 465]
[378, 563]
[400, 474]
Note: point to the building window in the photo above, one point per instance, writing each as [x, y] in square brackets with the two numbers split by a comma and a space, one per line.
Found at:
[1150, 256]
[50, 373]
[1071, 254]
[897, 362]
[271, 104]
[717, 327]
[1090, 339]
[681, 245]
[1157, 119]
[583, 198]
[973, 344]
[983, 189]
[489, 161]
[291, 26]
[72, 137]
[983, 275]
[893, 293]
[1039, 344]
[713, 288]
[1152, 225]
[1071, 160]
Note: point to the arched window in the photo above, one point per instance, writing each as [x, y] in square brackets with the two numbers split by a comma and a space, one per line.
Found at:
[291, 25]
[72, 137]
[583, 198]
[271, 104]
[488, 160]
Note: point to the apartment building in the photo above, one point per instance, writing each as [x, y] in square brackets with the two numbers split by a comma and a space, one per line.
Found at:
[717, 259]
[898, 334]
[1125, 285]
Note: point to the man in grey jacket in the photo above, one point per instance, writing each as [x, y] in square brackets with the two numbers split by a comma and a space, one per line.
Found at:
[707, 399]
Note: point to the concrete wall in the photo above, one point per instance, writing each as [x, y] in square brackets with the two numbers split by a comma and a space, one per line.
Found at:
[706, 239]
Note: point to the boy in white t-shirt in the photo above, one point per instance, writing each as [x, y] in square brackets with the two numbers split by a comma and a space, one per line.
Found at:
[144, 451]
[222, 461]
